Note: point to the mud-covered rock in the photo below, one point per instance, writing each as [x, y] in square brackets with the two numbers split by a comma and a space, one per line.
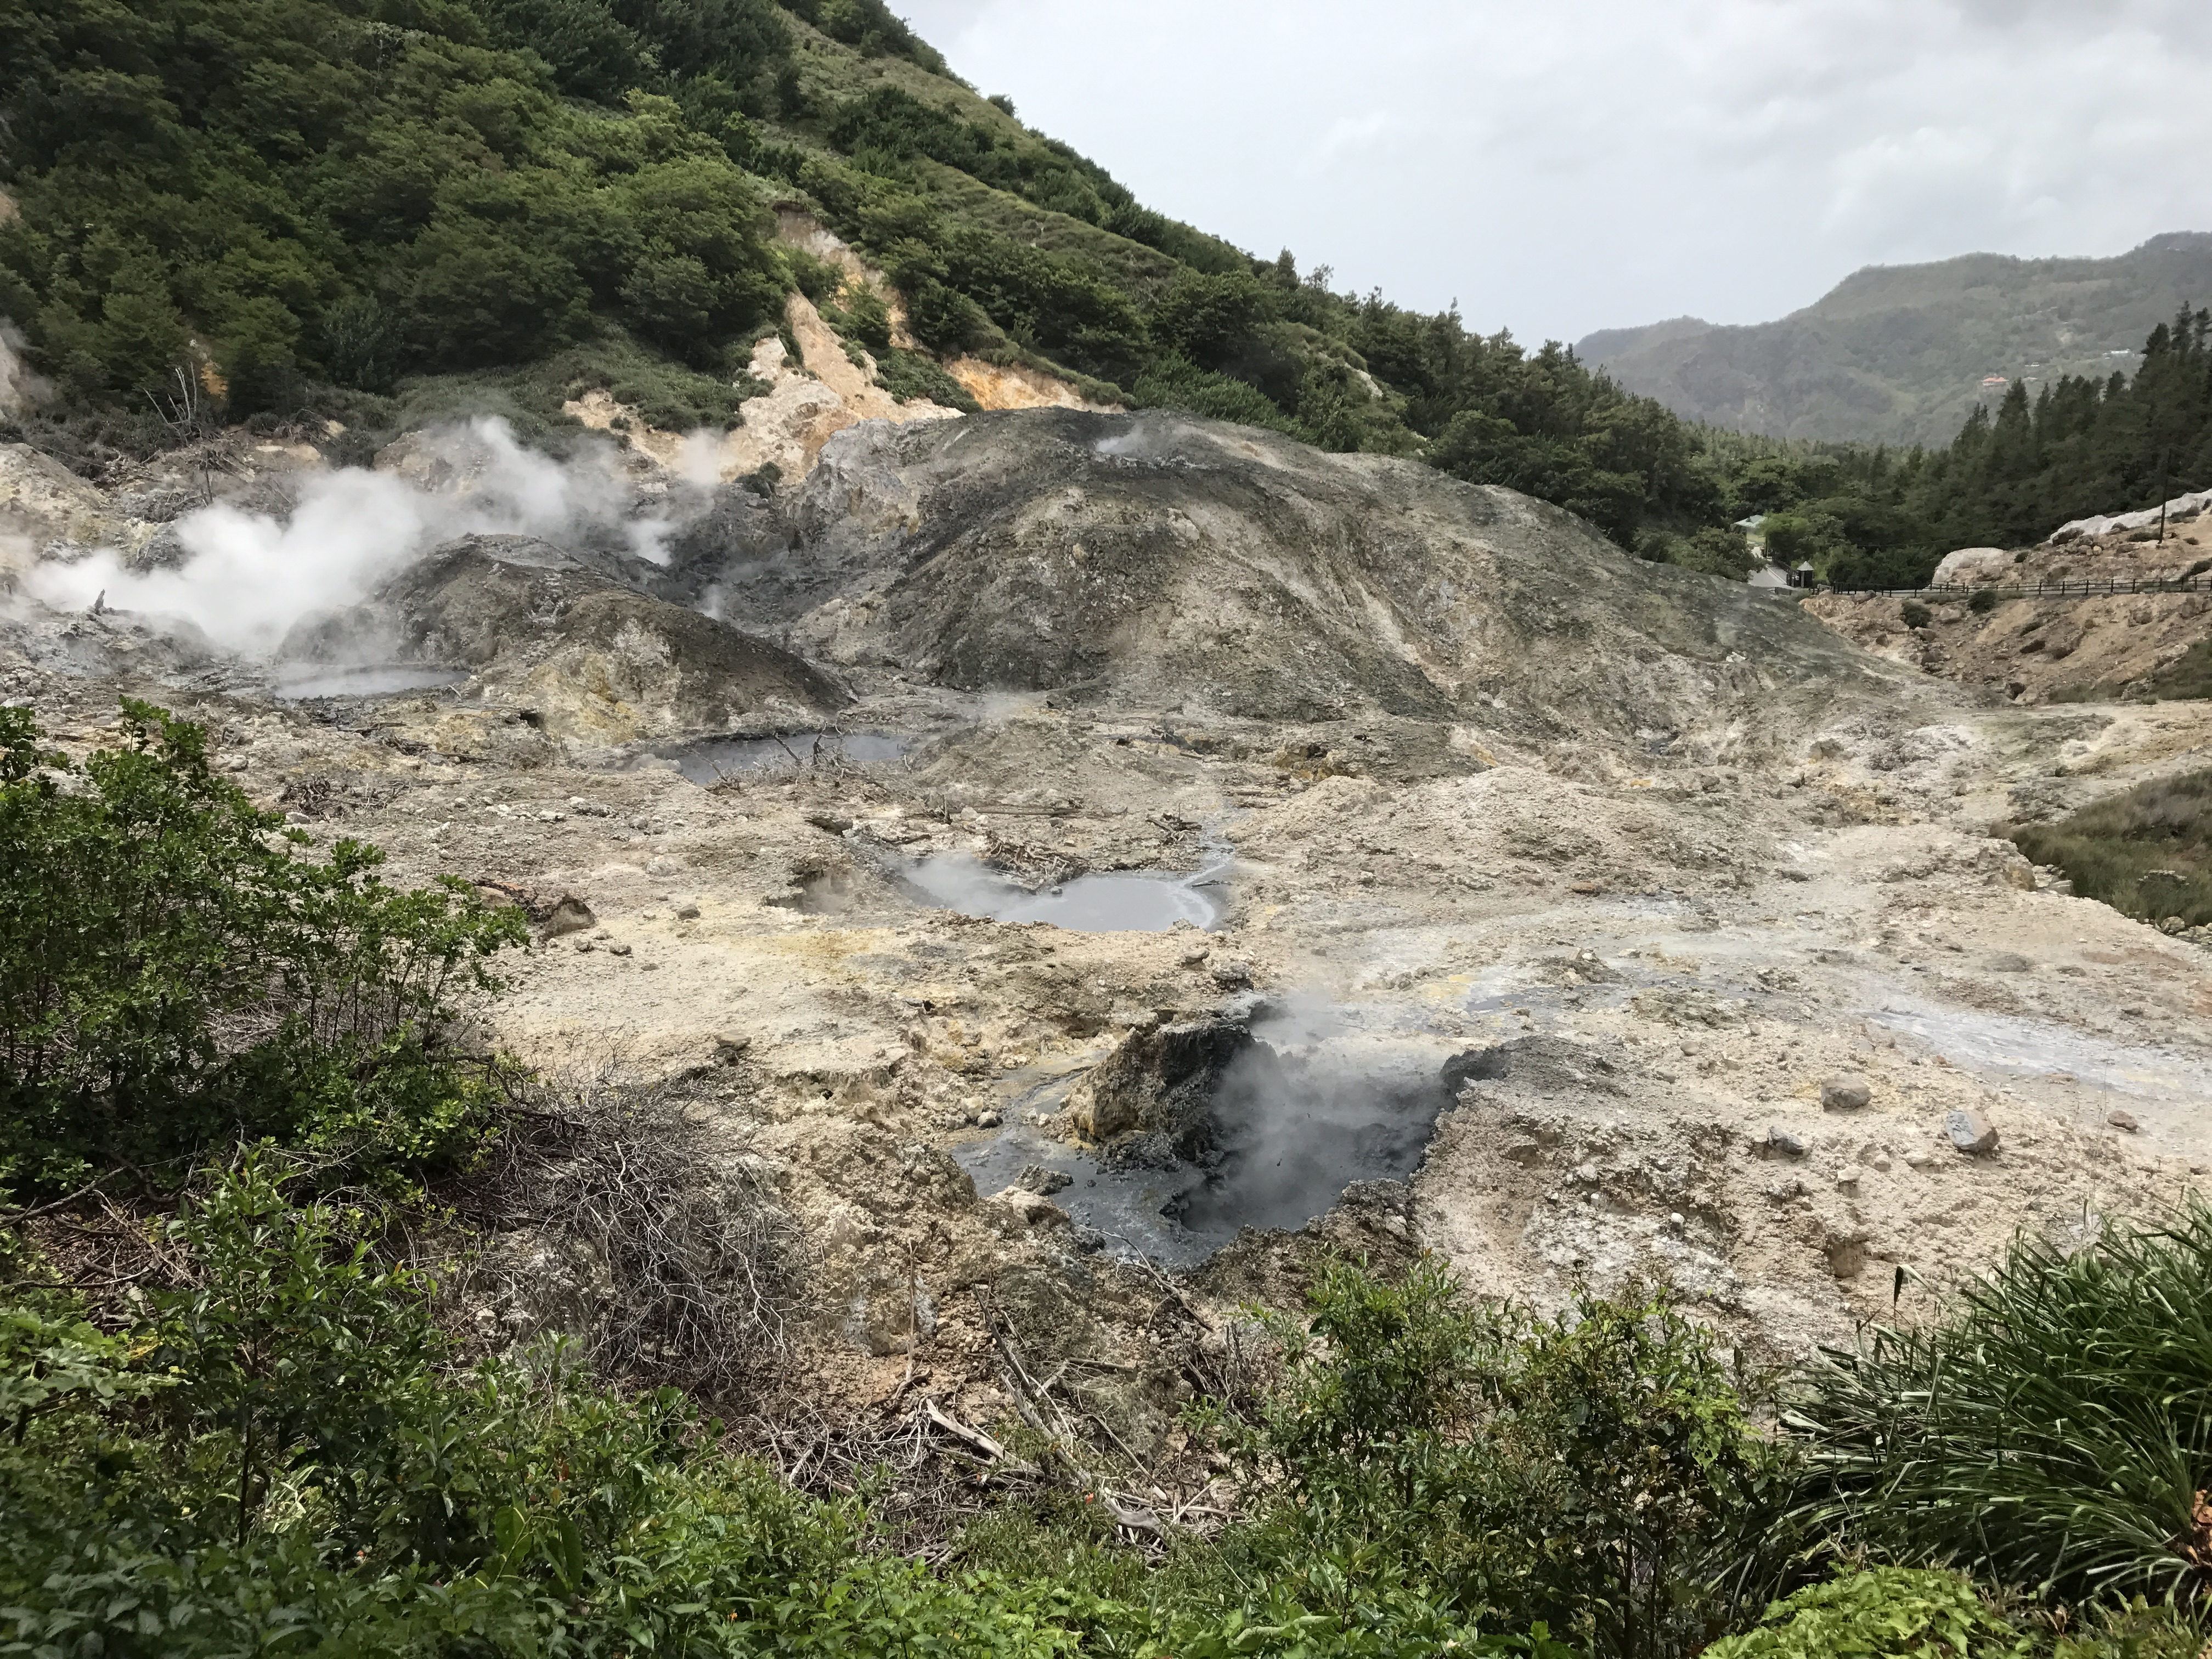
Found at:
[1161, 1074]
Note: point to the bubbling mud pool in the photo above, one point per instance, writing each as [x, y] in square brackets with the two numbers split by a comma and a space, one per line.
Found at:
[305, 681]
[709, 760]
[1281, 1137]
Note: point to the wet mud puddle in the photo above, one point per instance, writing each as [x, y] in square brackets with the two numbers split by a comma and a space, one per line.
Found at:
[1105, 902]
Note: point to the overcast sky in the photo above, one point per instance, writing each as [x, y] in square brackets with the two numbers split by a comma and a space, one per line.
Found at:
[1559, 166]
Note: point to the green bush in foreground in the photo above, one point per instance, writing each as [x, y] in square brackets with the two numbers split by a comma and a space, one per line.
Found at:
[2055, 1433]
[284, 1453]
[1593, 1471]
[174, 974]
[1894, 1613]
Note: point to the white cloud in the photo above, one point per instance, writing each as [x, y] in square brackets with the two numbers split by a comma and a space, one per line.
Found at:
[1581, 163]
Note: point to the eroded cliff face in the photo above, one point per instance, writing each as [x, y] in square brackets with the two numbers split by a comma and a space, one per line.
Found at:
[830, 384]
[1675, 916]
[2045, 633]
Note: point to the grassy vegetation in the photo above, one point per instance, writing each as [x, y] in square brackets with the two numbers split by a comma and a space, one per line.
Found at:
[2147, 853]
[2188, 679]
[2054, 1434]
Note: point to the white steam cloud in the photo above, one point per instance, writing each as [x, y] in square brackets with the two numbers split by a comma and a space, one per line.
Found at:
[246, 578]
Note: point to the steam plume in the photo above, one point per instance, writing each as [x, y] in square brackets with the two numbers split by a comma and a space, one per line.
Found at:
[247, 577]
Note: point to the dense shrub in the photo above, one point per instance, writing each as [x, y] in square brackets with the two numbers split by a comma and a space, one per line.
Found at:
[285, 1453]
[1594, 1471]
[175, 974]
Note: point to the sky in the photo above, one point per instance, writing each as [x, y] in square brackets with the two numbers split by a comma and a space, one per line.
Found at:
[1562, 166]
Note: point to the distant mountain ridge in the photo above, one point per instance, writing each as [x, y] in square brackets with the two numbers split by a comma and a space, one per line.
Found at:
[1900, 353]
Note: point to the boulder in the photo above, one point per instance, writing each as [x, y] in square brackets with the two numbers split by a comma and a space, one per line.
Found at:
[1846, 1093]
[570, 914]
[1971, 1132]
[1160, 1076]
[1972, 567]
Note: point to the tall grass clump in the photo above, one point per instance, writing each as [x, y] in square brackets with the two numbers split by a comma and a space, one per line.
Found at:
[2055, 1434]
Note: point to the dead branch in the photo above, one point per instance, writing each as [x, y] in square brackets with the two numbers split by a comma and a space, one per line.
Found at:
[615, 1208]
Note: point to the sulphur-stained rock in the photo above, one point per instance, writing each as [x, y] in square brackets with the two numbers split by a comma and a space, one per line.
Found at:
[46, 510]
[581, 655]
[1159, 558]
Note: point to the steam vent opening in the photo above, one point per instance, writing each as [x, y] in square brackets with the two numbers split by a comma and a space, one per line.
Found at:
[1284, 1134]
[1205, 1129]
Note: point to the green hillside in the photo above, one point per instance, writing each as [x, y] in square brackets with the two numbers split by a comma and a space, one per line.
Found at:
[304, 202]
[1898, 354]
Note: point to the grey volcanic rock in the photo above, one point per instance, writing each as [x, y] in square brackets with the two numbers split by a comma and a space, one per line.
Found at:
[591, 658]
[1163, 560]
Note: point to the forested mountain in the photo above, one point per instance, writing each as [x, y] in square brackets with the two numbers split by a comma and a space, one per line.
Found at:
[1898, 354]
[236, 209]
[316, 192]
[1877, 517]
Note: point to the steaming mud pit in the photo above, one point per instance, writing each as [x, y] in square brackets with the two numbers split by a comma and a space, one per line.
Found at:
[1587, 921]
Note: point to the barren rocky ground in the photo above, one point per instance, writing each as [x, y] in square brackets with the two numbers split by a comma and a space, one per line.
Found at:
[1679, 918]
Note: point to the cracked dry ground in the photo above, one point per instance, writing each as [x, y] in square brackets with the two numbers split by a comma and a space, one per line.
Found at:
[1677, 960]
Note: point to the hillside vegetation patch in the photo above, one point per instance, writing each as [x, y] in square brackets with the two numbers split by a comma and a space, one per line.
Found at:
[2147, 853]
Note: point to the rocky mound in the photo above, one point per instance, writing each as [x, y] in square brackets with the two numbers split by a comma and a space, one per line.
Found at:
[1159, 560]
[590, 659]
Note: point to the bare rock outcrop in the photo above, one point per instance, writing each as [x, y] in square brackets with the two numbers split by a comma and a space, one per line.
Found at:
[590, 659]
[1162, 560]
